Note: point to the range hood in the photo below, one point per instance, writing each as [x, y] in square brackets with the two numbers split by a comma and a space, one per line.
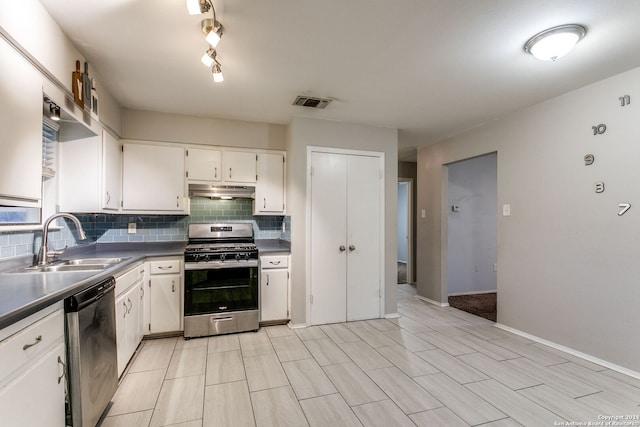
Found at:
[222, 191]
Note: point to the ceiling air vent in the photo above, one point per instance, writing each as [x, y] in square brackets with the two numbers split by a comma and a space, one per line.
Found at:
[309, 101]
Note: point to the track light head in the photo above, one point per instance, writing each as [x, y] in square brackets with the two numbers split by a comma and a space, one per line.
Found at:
[54, 112]
[217, 73]
[209, 57]
[198, 7]
[212, 30]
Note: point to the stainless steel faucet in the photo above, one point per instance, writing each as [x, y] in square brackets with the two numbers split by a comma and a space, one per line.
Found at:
[44, 252]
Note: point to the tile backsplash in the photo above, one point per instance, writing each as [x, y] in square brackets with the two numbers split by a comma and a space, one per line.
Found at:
[103, 228]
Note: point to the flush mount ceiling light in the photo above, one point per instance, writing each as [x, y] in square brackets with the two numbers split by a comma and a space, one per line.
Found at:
[556, 42]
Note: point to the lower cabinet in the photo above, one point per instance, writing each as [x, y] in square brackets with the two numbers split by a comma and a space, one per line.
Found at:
[165, 296]
[274, 288]
[32, 376]
[129, 314]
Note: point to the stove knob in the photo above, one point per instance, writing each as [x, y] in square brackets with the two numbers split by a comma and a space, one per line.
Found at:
[222, 257]
[237, 256]
[196, 257]
[205, 258]
[246, 256]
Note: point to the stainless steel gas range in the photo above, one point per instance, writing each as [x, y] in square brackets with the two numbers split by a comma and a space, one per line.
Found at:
[220, 280]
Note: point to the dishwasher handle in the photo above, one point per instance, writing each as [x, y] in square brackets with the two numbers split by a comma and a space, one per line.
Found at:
[89, 295]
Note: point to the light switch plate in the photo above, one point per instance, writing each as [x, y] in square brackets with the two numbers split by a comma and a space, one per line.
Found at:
[423, 213]
[506, 210]
[132, 228]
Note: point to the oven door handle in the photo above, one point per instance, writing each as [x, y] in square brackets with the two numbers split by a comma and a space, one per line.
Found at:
[221, 319]
[219, 265]
[215, 288]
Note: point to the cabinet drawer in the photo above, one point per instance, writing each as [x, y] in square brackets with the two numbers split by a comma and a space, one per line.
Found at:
[274, 261]
[26, 344]
[126, 280]
[165, 267]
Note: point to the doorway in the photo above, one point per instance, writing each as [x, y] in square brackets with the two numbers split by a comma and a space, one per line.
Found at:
[472, 235]
[405, 231]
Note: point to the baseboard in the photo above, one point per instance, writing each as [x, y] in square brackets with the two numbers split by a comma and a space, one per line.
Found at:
[458, 294]
[430, 301]
[571, 351]
[297, 325]
[392, 316]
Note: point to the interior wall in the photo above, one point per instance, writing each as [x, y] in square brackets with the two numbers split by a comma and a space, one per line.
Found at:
[409, 170]
[153, 126]
[403, 196]
[567, 261]
[305, 132]
[472, 230]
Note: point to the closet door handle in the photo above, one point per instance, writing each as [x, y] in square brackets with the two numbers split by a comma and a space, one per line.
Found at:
[36, 341]
[342, 248]
[229, 173]
[267, 280]
[215, 172]
[352, 248]
[265, 203]
[173, 286]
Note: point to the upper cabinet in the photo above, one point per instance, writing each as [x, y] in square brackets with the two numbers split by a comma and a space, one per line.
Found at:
[239, 167]
[21, 124]
[270, 187]
[153, 178]
[203, 165]
[90, 174]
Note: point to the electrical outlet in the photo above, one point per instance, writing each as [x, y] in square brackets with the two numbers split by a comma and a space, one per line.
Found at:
[495, 267]
[423, 213]
[132, 228]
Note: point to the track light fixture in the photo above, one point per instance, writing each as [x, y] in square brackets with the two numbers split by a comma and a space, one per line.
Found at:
[213, 30]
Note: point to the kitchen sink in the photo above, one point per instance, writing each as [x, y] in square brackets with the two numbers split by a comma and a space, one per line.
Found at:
[73, 265]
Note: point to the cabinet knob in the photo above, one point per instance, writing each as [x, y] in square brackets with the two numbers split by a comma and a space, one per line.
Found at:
[352, 248]
[342, 248]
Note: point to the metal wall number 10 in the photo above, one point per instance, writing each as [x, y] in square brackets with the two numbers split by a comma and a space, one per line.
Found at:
[600, 129]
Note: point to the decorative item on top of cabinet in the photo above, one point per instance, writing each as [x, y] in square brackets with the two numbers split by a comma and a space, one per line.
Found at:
[274, 288]
[165, 296]
[77, 86]
[270, 186]
[33, 371]
[153, 178]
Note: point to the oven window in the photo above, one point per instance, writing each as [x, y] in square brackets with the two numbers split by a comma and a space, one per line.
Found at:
[220, 290]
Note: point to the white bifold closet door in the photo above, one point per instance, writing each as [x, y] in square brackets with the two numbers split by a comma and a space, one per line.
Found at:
[345, 245]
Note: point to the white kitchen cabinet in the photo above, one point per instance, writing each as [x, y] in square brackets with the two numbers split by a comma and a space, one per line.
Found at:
[239, 166]
[32, 378]
[165, 295]
[129, 314]
[21, 135]
[153, 178]
[274, 287]
[270, 186]
[203, 165]
[90, 174]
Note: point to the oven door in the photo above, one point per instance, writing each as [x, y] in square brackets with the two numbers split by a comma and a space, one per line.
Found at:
[220, 287]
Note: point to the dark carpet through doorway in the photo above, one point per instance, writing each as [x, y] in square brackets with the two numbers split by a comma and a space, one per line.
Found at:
[483, 305]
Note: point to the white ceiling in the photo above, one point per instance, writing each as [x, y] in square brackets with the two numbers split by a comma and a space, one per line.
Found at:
[431, 68]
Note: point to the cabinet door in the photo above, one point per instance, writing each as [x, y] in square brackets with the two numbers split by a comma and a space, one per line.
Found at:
[37, 396]
[111, 172]
[121, 332]
[134, 312]
[203, 164]
[152, 178]
[21, 124]
[274, 295]
[165, 303]
[239, 166]
[79, 175]
[270, 184]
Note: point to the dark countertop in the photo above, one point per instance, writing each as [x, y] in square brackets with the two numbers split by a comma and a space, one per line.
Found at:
[22, 294]
[273, 246]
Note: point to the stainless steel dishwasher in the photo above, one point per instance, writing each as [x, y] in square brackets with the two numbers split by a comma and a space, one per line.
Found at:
[92, 353]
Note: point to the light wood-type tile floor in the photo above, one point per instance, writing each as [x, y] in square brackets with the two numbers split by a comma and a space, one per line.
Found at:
[431, 367]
